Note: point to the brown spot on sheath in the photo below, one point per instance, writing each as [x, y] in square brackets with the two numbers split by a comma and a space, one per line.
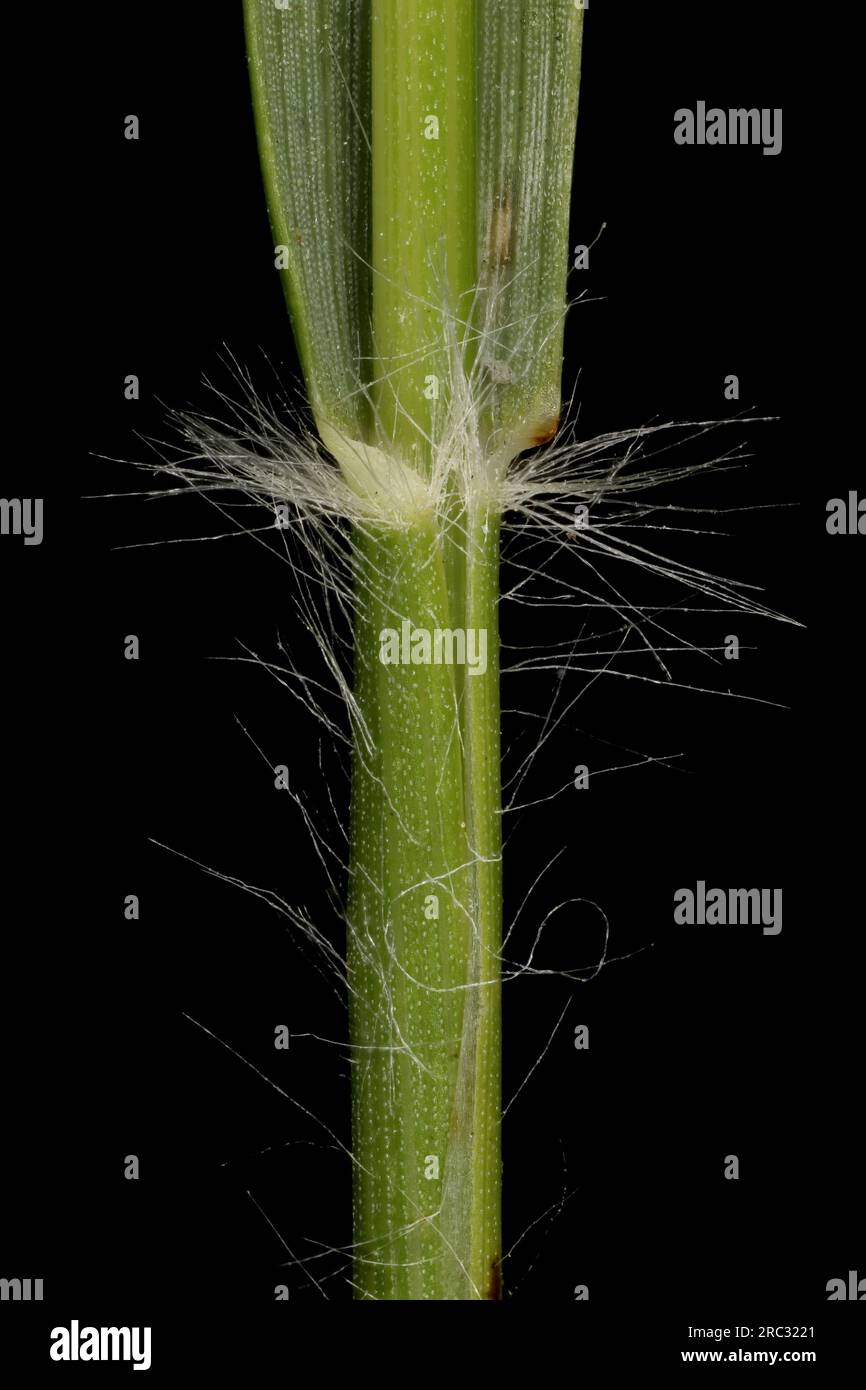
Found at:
[498, 249]
[545, 431]
[495, 1285]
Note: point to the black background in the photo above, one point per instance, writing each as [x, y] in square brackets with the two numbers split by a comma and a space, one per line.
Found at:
[703, 1042]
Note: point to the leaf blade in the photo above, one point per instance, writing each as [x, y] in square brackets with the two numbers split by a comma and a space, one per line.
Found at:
[529, 54]
[310, 75]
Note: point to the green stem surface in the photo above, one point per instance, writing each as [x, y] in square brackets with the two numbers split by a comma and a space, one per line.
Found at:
[424, 918]
[424, 909]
